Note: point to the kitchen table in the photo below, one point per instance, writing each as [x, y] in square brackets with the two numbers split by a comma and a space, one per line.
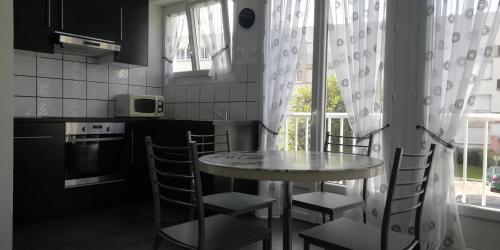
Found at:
[289, 166]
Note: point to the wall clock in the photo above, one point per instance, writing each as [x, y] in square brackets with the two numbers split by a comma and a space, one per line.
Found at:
[246, 18]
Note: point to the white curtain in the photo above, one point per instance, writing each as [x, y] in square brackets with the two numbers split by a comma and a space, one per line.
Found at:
[175, 26]
[284, 33]
[210, 24]
[460, 36]
[356, 31]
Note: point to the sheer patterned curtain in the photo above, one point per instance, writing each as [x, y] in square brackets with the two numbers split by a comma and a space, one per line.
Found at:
[356, 32]
[460, 36]
[284, 33]
[175, 26]
[210, 24]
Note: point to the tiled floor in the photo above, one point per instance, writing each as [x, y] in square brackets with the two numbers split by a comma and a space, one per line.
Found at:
[123, 228]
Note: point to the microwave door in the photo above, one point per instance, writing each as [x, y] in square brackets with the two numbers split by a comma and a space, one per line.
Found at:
[145, 106]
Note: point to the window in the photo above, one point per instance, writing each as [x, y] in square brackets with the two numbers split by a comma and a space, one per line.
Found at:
[478, 145]
[197, 17]
[299, 76]
[482, 104]
[177, 41]
[488, 71]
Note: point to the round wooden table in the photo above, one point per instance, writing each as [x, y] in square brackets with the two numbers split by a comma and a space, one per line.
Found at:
[289, 166]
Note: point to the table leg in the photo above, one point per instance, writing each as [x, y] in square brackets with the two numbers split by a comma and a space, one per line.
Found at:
[287, 216]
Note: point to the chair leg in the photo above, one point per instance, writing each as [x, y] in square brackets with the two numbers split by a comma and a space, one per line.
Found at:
[269, 216]
[268, 243]
[364, 215]
[306, 244]
[158, 240]
[365, 193]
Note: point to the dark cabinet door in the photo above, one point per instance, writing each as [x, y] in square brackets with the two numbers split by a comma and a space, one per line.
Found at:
[92, 18]
[38, 169]
[133, 32]
[33, 25]
[138, 179]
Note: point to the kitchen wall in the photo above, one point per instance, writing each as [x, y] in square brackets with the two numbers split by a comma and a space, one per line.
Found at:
[66, 85]
[238, 94]
[6, 107]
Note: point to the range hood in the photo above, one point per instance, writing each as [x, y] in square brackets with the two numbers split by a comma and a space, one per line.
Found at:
[84, 45]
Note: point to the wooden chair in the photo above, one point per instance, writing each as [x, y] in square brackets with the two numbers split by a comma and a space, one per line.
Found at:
[173, 165]
[329, 203]
[348, 234]
[231, 203]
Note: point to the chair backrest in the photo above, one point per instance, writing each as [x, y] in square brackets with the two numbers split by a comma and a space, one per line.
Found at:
[339, 143]
[416, 198]
[169, 165]
[211, 144]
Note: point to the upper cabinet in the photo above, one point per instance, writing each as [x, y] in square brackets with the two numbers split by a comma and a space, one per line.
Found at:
[133, 32]
[123, 22]
[34, 24]
[90, 18]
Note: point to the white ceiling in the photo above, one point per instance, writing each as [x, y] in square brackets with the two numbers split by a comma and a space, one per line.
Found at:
[165, 2]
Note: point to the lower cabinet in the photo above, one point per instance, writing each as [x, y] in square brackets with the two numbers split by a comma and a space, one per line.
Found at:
[38, 169]
[40, 155]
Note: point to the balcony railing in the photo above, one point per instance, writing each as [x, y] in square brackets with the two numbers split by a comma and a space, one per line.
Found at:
[476, 135]
[480, 132]
[297, 129]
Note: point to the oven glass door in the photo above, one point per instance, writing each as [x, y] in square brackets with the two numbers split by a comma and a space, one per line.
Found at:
[94, 159]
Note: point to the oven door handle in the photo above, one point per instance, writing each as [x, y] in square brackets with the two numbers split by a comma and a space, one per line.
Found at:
[95, 139]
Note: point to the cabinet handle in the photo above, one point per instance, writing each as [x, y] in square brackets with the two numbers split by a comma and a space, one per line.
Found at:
[33, 137]
[121, 23]
[50, 6]
[62, 14]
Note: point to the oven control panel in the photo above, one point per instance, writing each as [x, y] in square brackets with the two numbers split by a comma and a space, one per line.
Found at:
[95, 128]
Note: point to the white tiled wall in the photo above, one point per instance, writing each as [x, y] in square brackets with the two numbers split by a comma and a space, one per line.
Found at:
[238, 93]
[239, 97]
[67, 85]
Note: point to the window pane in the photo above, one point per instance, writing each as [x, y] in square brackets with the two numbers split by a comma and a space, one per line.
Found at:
[482, 104]
[477, 188]
[182, 61]
[296, 133]
[209, 43]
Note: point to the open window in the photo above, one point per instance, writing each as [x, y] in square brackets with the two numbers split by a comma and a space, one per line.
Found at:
[206, 38]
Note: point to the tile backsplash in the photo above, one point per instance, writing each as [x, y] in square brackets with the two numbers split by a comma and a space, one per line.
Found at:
[67, 85]
[194, 101]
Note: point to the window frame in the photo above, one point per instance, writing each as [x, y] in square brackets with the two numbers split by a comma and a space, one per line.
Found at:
[178, 9]
[194, 53]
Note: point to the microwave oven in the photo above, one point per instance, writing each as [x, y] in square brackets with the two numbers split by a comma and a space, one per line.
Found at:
[139, 106]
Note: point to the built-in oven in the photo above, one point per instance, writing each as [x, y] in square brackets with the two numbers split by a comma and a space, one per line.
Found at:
[95, 153]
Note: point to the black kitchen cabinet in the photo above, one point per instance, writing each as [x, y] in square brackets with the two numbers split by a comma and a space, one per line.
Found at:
[123, 22]
[38, 169]
[137, 176]
[91, 18]
[34, 25]
[133, 32]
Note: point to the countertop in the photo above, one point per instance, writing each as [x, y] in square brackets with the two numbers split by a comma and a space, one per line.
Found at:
[78, 119]
[120, 119]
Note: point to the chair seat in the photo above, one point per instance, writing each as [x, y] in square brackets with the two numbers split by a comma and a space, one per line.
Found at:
[235, 203]
[326, 202]
[348, 234]
[222, 232]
